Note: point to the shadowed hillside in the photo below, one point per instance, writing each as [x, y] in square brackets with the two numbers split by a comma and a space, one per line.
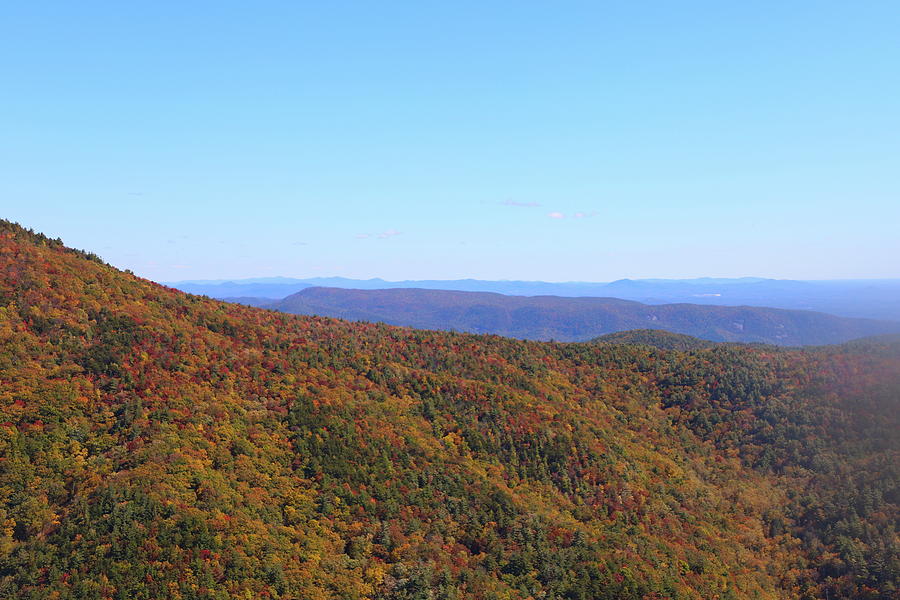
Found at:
[576, 319]
[155, 444]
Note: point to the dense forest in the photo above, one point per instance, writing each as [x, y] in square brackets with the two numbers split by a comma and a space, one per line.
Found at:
[155, 444]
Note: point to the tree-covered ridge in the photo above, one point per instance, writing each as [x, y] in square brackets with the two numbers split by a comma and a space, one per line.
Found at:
[155, 444]
[657, 338]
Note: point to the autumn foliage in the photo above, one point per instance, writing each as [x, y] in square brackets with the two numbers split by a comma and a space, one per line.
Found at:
[155, 444]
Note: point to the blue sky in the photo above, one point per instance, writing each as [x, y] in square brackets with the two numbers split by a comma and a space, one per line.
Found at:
[499, 140]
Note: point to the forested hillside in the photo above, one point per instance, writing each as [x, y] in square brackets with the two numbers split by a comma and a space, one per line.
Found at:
[155, 444]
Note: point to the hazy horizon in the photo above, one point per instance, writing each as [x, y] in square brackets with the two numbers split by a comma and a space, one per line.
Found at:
[275, 278]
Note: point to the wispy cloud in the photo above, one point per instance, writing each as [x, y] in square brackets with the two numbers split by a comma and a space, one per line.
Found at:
[520, 204]
[381, 236]
[576, 215]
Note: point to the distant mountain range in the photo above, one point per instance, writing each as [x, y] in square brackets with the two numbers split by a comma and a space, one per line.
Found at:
[574, 319]
[873, 299]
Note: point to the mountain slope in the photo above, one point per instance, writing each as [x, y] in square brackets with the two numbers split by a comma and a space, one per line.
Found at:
[575, 319]
[159, 445]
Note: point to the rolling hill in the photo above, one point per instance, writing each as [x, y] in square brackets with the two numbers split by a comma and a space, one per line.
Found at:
[575, 319]
[155, 444]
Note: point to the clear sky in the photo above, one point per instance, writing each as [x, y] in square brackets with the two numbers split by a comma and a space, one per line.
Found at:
[499, 140]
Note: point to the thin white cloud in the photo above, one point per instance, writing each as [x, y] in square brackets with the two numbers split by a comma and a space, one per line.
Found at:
[381, 236]
[520, 204]
[577, 215]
